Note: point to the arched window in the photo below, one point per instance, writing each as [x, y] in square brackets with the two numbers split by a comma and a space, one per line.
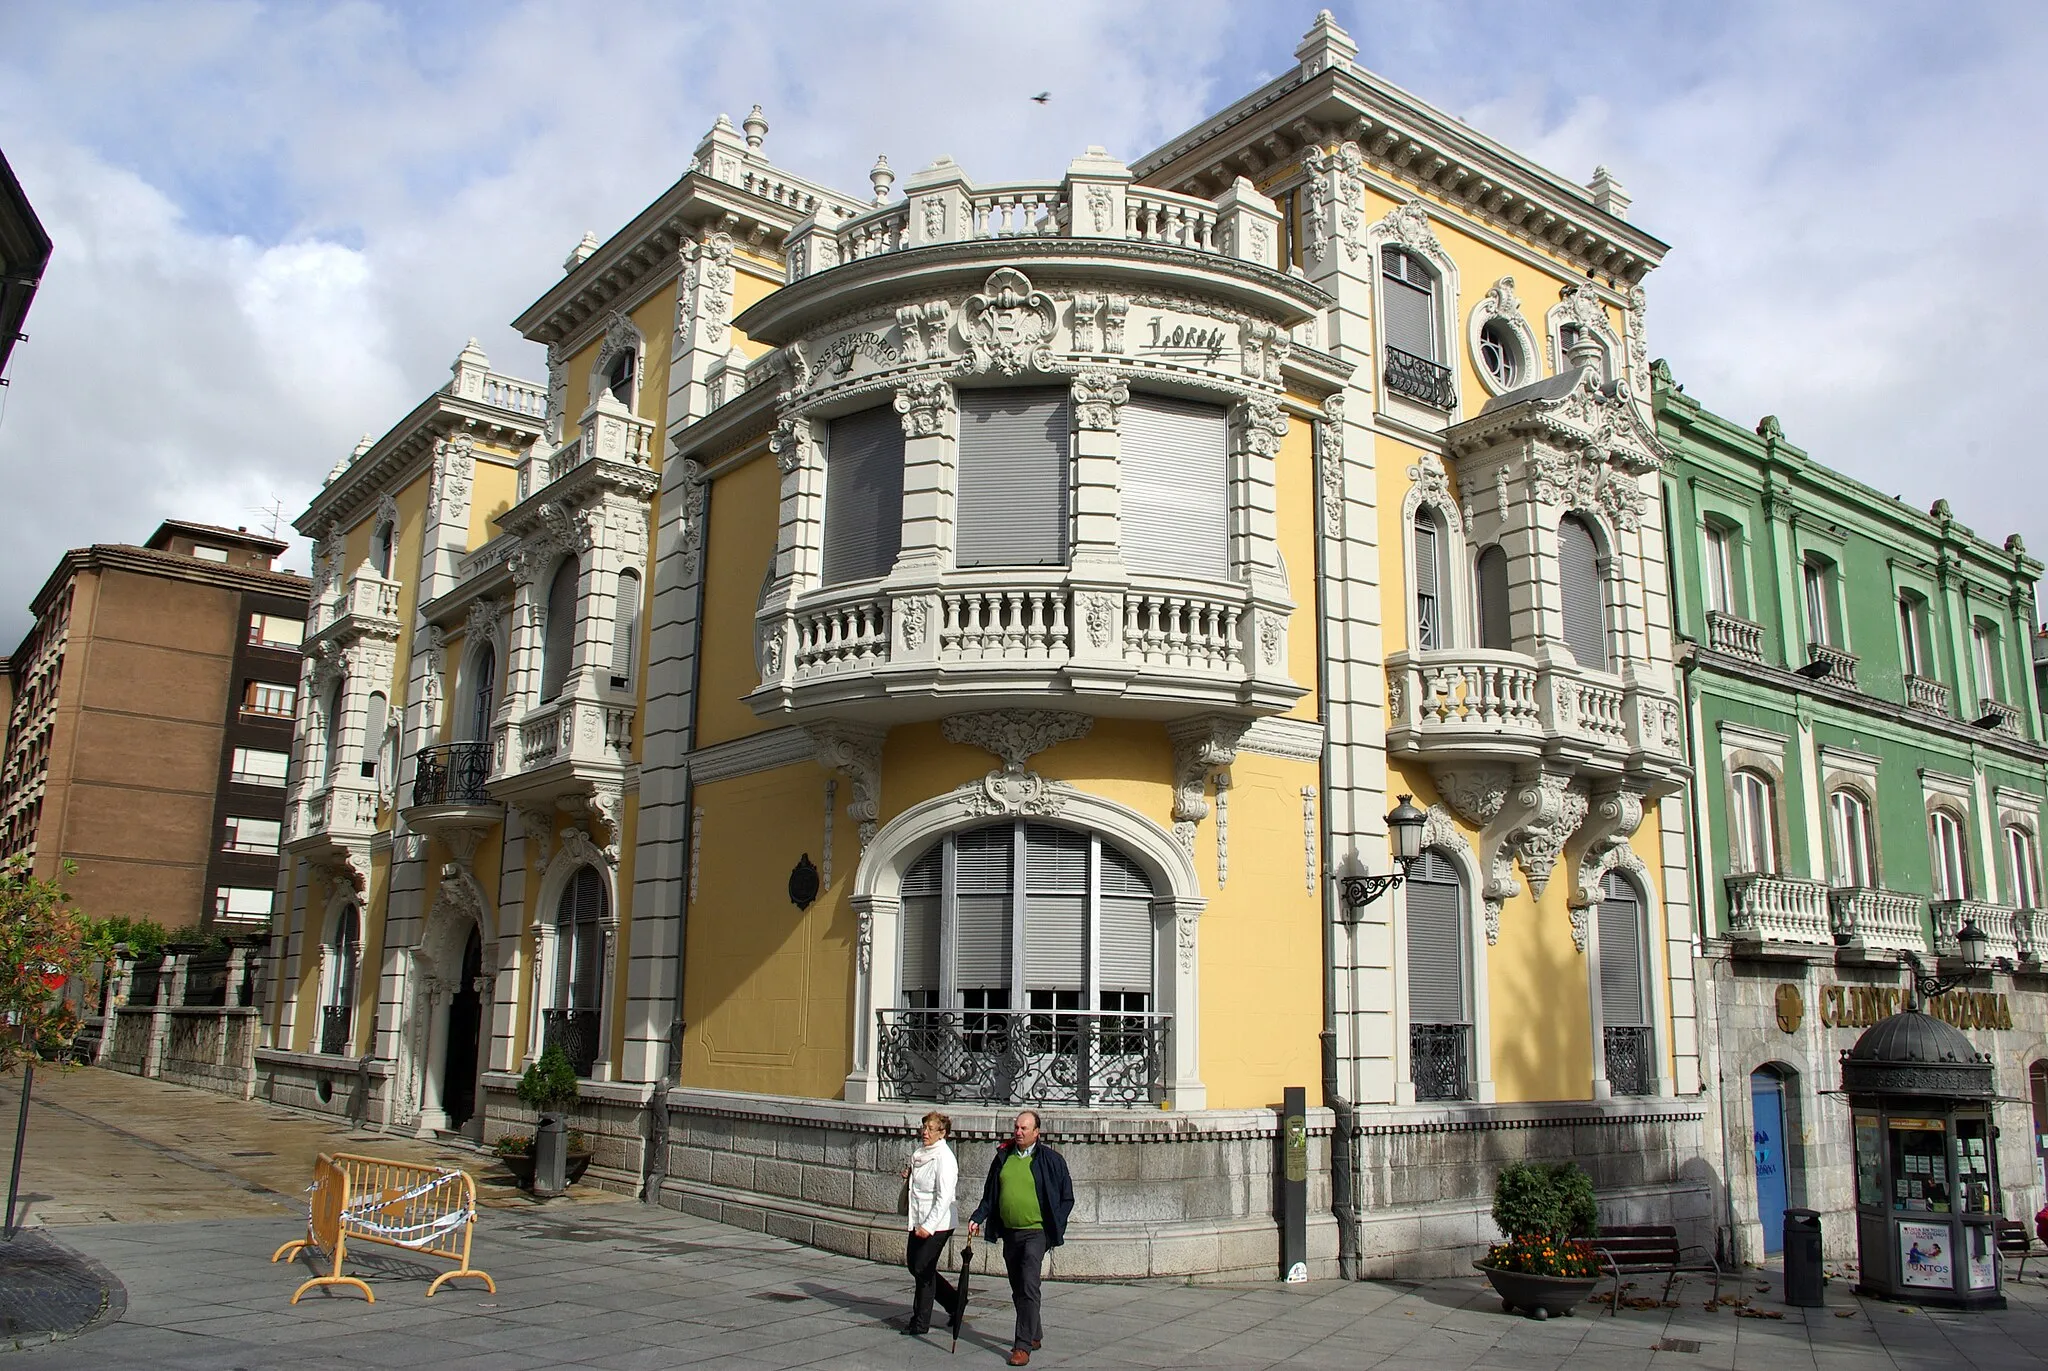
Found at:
[374, 716]
[381, 542]
[338, 994]
[2023, 856]
[558, 644]
[1581, 585]
[330, 733]
[1496, 629]
[1500, 352]
[1430, 628]
[1753, 823]
[1624, 999]
[625, 628]
[1947, 838]
[1852, 849]
[483, 688]
[575, 1020]
[1408, 295]
[1027, 954]
[1439, 1013]
[619, 379]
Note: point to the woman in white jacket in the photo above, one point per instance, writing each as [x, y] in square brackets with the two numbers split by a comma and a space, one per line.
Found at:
[934, 1175]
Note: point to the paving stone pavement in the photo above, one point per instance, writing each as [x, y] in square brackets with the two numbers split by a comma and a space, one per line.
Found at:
[621, 1285]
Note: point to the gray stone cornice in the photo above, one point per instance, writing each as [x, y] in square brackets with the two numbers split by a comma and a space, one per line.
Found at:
[740, 424]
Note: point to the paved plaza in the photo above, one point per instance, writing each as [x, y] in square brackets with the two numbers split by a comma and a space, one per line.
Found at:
[173, 1200]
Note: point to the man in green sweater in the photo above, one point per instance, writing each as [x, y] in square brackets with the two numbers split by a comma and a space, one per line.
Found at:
[1026, 1202]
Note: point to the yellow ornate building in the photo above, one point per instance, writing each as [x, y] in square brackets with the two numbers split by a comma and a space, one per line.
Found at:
[953, 644]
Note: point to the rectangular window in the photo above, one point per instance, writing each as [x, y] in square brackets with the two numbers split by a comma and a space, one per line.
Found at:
[1911, 638]
[210, 554]
[1720, 584]
[2026, 868]
[1951, 860]
[1428, 630]
[252, 835]
[863, 496]
[269, 698]
[256, 766]
[1817, 617]
[1849, 821]
[1014, 458]
[276, 630]
[1410, 305]
[1984, 639]
[1175, 477]
[241, 904]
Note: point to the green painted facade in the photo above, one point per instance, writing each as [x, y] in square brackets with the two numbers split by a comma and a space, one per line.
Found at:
[1961, 731]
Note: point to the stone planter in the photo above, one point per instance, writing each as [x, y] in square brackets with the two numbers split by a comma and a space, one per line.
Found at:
[520, 1164]
[1539, 1297]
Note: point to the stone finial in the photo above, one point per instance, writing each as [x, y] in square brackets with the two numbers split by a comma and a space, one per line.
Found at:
[1770, 430]
[580, 254]
[467, 372]
[1940, 510]
[1325, 47]
[756, 125]
[363, 445]
[335, 472]
[471, 356]
[2014, 544]
[882, 177]
[1607, 193]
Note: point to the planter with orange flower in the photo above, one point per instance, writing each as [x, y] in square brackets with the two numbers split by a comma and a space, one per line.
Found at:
[1548, 1216]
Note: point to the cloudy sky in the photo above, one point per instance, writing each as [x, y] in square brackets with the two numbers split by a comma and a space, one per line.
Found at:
[276, 224]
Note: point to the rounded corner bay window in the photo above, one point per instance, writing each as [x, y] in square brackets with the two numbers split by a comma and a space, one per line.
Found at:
[1027, 972]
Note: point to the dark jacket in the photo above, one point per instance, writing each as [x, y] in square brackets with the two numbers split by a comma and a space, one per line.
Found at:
[1055, 1193]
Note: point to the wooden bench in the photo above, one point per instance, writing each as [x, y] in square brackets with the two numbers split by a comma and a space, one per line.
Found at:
[1649, 1249]
[2014, 1242]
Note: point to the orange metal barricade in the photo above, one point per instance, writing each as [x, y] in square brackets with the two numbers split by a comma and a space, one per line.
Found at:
[419, 1209]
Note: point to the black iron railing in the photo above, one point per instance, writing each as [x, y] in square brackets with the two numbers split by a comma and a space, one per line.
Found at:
[1420, 379]
[1628, 1060]
[452, 774]
[334, 1026]
[1439, 1060]
[575, 1031]
[1021, 1056]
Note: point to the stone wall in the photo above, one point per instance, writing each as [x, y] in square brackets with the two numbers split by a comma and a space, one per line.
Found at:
[612, 1115]
[1156, 1194]
[214, 1049]
[356, 1089]
[1426, 1173]
[127, 1047]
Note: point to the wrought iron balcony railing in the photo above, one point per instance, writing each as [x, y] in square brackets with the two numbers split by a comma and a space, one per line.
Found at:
[334, 1027]
[1006, 1056]
[452, 774]
[575, 1031]
[1440, 1060]
[1628, 1059]
[1420, 379]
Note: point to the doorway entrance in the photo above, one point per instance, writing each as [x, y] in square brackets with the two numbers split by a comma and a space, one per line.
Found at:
[465, 1025]
[1767, 1100]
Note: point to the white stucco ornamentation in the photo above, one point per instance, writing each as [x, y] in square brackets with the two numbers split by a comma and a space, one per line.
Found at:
[1335, 194]
[856, 750]
[927, 406]
[1099, 398]
[1201, 747]
[1009, 326]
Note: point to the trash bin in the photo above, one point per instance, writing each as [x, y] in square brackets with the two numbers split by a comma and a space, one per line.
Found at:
[1803, 1278]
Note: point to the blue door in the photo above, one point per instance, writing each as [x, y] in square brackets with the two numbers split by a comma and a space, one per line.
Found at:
[1767, 1096]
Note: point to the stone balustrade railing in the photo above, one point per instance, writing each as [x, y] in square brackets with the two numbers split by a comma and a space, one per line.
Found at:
[1736, 637]
[1779, 909]
[1994, 921]
[1930, 695]
[1841, 666]
[1504, 704]
[337, 810]
[489, 557]
[1885, 919]
[366, 599]
[521, 397]
[2002, 716]
[572, 728]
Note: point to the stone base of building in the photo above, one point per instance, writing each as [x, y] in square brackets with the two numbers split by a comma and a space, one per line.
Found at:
[211, 1047]
[1426, 1173]
[354, 1089]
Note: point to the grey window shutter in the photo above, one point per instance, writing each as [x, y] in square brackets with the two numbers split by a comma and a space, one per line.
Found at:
[1585, 613]
[1125, 953]
[1495, 627]
[1012, 504]
[1621, 956]
[1175, 480]
[1409, 302]
[559, 643]
[626, 624]
[863, 495]
[1436, 942]
[373, 731]
[1429, 631]
[982, 901]
[921, 898]
[483, 694]
[1055, 908]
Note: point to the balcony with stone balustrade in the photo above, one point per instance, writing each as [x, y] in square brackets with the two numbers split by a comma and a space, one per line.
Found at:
[1841, 666]
[365, 606]
[337, 819]
[579, 743]
[1996, 922]
[1473, 705]
[1925, 693]
[1878, 920]
[1734, 636]
[1769, 909]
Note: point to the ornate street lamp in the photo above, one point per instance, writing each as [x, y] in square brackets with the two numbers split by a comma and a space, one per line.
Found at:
[1404, 830]
[1972, 942]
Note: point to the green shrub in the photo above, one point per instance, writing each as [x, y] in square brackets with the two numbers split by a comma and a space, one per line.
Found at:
[145, 938]
[514, 1145]
[549, 1085]
[1545, 1201]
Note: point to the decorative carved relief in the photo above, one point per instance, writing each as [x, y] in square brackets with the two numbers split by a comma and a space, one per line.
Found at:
[1101, 618]
[1009, 790]
[1186, 923]
[857, 751]
[708, 290]
[921, 330]
[1262, 348]
[1550, 811]
[1476, 793]
[1009, 326]
[1099, 398]
[1201, 747]
[1602, 843]
[927, 406]
[1335, 193]
[692, 513]
[912, 616]
[793, 445]
[454, 469]
[1330, 457]
[1261, 426]
[1016, 735]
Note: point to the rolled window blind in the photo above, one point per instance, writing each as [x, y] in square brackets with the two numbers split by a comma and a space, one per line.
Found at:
[921, 892]
[1621, 956]
[1055, 908]
[1585, 616]
[982, 889]
[1436, 942]
[626, 624]
[1012, 507]
[373, 731]
[1429, 632]
[863, 496]
[1409, 303]
[558, 646]
[1175, 479]
[1495, 630]
[1125, 954]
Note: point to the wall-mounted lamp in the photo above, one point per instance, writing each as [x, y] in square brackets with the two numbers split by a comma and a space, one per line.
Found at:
[1404, 828]
[1973, 943]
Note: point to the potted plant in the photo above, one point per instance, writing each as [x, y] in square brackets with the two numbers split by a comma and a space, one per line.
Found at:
[549, 1087]
[1547, 1214]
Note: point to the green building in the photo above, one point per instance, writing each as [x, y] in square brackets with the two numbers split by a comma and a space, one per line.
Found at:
[1869, 769]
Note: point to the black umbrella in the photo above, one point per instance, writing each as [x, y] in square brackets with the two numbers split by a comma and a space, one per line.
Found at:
[960, 1291]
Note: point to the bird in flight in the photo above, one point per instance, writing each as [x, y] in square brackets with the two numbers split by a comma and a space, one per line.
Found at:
[1042, 96]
